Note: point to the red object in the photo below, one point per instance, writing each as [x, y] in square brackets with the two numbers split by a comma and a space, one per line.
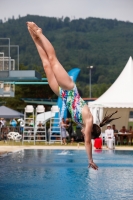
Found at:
[98, 143]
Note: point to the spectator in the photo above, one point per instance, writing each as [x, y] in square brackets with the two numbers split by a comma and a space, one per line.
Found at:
[125, 137]
[63, 131]
[13, 123]
[109, 135]
[31, 123]
[21, 121]
[130, 129]
[40, 124]
[1, 122]
[39, 130]
[69, 128]
[123, 129]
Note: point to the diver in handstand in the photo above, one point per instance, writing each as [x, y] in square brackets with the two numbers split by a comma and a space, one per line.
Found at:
[63, 86]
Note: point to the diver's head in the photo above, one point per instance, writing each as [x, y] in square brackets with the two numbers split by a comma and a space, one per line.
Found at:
[96, 131]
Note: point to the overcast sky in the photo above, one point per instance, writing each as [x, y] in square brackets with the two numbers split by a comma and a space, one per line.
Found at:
[109, 9]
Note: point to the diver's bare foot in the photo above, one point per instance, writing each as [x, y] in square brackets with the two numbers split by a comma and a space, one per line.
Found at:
[37, 31]
[33, 35]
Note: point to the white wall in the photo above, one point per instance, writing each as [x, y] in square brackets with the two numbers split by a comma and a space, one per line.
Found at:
[122, 112]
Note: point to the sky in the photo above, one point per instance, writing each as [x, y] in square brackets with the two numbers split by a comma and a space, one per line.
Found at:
[108, 9]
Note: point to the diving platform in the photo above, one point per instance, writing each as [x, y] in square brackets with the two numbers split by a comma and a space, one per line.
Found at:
[20, 75]
[39, 101]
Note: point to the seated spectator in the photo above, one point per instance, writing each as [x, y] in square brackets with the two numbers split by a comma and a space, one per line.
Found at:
[109, 136]
[39, 129]
[130, 129]
[31, 123]
[125, 137]
[40, 125]
[123, 130]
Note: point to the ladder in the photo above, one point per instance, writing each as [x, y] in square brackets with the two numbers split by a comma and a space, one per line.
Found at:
[55, 128]
[40, 126]
[28, 130]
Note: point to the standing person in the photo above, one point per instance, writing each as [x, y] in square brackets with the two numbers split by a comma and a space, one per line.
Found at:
[2, 125]
[69, 128]
[63, 131]
[3, 122]
[3, 129]
[13, 122]
[109, 135]
[63, 86]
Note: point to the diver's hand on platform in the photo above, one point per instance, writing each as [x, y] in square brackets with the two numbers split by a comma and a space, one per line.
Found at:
[93, 165]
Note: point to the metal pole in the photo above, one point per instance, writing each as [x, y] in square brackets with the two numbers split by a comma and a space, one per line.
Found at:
[90, 67]
[1, 53]
[9, 56]
[18, 55]
[17, 51]
[90, 82]
[9, 64]
[27, 83]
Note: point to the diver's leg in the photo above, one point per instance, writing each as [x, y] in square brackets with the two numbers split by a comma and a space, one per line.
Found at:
[46, 65]
[60, 73]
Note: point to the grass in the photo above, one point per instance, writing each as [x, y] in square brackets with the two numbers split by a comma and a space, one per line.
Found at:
[12, 143]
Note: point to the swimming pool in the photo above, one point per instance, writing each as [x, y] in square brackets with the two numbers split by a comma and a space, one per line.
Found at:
[63, 175]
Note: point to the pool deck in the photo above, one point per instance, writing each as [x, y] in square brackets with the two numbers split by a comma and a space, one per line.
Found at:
[13, 148]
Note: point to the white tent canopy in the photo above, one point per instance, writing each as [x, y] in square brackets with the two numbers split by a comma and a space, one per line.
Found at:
[118, 97]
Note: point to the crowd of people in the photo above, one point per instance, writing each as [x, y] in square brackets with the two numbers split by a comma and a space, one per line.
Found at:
[7, 126]
[67, 132]
[112, 134]
[69, 135]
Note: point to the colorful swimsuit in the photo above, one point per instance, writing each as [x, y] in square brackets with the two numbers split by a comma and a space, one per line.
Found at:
[73, 102]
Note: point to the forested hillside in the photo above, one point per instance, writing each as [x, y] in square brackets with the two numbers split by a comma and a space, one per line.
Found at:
[105, 44]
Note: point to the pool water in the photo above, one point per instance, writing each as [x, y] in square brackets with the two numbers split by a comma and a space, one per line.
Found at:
[64, 175]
